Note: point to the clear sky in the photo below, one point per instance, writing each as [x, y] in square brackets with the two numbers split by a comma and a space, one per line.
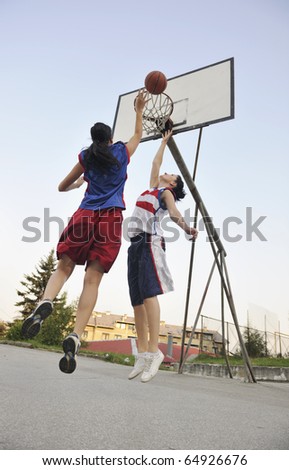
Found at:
[64, 64]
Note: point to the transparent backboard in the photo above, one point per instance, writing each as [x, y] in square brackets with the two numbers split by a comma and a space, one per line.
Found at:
[200, 97]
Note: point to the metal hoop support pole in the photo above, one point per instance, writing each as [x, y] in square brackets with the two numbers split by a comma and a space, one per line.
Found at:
[245, 355]
[214, 240]
[183, 359]
[223, 320]
[191, 259]
[188, 297]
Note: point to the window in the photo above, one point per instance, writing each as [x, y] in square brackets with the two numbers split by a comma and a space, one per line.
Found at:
[105, 336]
[208, 336]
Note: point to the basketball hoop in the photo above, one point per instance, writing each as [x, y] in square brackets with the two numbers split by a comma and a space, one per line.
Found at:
[156, 113]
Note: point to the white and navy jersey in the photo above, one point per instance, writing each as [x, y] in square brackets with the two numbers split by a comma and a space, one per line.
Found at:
[148, 213]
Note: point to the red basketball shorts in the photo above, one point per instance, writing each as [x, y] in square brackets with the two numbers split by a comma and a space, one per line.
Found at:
[92, 235]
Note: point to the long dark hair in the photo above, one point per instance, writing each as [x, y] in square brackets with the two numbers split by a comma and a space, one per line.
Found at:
[179, 189]
[98, 155]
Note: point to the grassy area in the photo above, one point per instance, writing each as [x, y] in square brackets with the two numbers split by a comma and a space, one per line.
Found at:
[234, 361]
[128, 360]
[123, 359]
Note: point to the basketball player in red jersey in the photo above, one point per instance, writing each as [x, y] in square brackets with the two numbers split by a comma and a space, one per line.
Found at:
[93, 235]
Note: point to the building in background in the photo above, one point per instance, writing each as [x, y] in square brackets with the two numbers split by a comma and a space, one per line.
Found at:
[105, 326]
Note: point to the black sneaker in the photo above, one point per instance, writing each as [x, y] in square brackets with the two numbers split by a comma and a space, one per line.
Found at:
[32, 324]
[71, 345]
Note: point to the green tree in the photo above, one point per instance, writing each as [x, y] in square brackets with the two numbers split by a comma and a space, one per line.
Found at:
[3, 328]
[56, 326]
[59, 324]
[255, 343]
[35, 283]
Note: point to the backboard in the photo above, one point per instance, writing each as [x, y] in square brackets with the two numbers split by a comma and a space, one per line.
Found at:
[201, 97]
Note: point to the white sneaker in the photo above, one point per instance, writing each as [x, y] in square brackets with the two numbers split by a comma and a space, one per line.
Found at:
[139, 366]
[152, 364]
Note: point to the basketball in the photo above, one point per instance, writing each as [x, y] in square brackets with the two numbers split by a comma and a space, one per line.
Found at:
[155, 82]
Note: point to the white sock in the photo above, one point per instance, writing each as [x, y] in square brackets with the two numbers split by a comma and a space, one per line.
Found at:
[142, 354]
[156, 353]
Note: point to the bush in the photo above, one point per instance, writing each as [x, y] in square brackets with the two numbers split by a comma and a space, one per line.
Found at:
[3, 329]
[14, 332]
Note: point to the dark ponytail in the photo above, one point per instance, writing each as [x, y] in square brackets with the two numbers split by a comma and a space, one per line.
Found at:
[179, 189]
[98, 155]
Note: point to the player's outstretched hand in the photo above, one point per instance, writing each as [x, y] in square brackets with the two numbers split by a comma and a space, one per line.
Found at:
[141, 100]
[194, 232]
[166, 135]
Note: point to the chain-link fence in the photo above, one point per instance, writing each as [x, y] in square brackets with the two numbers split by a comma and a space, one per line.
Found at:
[275, 342]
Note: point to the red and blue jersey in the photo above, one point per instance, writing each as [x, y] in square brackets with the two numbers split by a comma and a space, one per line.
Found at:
[105, 187]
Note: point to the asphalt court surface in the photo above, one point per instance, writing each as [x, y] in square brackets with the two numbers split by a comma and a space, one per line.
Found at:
[97, 407]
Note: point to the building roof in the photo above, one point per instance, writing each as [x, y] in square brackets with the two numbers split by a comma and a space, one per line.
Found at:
[108, 320]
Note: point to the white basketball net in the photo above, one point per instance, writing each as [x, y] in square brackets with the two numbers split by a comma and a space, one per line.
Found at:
[156, 113]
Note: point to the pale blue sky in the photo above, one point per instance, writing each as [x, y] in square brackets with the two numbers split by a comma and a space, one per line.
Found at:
[64, 64]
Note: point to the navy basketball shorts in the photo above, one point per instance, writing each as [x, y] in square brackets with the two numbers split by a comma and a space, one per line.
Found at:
[148, 273]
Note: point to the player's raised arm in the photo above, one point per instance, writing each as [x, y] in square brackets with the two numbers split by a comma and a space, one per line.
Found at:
[136, 138]
[175, 214]
[157, 161]
[72, 180]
